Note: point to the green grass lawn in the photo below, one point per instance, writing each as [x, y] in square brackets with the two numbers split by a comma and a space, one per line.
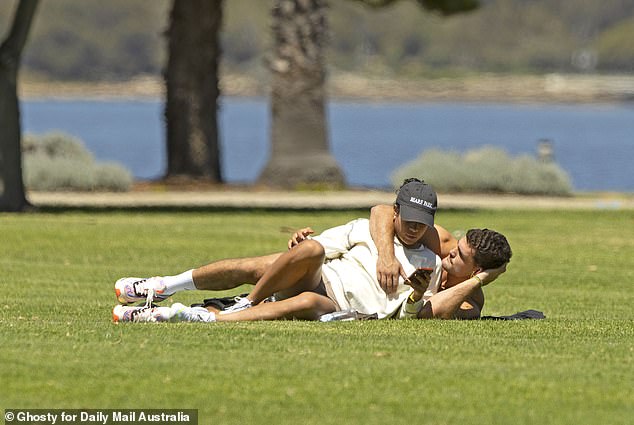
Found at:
[59, 348]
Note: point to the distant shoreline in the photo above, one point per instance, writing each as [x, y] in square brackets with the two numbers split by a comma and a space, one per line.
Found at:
[550, 88]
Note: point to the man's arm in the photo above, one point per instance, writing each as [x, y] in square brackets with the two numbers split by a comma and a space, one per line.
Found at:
[462, 301]
[472, 307]
[388, 268]
[441, 236]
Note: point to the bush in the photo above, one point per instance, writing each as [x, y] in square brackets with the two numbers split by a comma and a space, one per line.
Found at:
[486, 170]
[57, 161]
[615, 49]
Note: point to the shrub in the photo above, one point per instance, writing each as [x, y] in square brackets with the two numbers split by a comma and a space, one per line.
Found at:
[486, 170]
[57, 161]
[112, 176]
[56, 145]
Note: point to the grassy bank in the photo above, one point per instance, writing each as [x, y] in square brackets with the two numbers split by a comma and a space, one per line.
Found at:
[60, 349]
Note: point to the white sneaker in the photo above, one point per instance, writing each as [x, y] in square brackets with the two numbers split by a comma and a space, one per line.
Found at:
[133, 289]
[121, 313]
[241, 304]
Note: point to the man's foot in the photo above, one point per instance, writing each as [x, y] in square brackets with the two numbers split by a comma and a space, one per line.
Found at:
[176, 313]
[121, 313]
[242, 303]
[133, 289]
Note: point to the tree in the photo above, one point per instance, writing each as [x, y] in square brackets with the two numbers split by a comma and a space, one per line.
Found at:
[13, 197]
[191, 80]
[299, 142]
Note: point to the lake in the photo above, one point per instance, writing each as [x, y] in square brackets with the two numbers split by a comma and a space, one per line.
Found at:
[594, 143]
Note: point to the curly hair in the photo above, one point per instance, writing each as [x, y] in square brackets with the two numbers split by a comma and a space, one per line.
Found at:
[491, 248]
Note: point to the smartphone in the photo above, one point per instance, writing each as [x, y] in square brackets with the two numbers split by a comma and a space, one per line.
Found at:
[421, 274]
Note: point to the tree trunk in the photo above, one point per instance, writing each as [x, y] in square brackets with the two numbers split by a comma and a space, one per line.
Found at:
[12, 195]
[300, 155]
[191, 78]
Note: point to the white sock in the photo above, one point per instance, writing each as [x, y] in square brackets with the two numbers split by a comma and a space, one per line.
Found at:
[201, 314]
[183, 313]
[180, 282]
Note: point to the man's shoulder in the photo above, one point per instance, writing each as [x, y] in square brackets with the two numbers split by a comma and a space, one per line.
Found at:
[352, 224]
[359, 225]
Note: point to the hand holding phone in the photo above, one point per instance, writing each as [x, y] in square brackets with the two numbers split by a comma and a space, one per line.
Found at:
[421, 276]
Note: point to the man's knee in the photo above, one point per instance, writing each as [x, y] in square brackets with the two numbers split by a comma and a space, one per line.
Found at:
[313, 305]
[311, 250]
[307, 301]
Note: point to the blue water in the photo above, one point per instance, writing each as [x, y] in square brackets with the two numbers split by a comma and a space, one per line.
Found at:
[593, 143]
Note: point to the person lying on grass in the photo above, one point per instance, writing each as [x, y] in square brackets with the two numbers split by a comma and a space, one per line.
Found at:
[335, 270]
[441, 241]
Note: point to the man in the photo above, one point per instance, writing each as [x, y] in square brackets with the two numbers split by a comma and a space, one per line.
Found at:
[479, 250]
[335, 270]
[308, 298]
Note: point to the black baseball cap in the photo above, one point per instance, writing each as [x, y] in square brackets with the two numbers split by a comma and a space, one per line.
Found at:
[417, 202]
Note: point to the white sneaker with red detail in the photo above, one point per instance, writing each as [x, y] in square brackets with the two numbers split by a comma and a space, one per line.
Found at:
[122, 313]
[176, 313]
[134, 289]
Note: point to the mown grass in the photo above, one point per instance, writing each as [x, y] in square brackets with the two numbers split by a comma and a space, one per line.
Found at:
[59, 348]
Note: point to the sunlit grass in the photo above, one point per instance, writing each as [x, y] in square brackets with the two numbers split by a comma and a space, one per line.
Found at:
[61, 350]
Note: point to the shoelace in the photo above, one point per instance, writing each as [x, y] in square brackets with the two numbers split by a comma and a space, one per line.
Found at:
[134, 316]
[149, 298]
[150, 293]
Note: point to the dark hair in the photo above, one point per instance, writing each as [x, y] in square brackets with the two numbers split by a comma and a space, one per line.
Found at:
[491, 248]
[409, 180]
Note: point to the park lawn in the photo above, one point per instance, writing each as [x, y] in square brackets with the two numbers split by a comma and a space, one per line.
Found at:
[59, 348]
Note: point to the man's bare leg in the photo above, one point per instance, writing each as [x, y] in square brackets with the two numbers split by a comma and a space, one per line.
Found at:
[298, 268]
[305, 306]
[231, 273]
[217, 276]
[296, 271]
